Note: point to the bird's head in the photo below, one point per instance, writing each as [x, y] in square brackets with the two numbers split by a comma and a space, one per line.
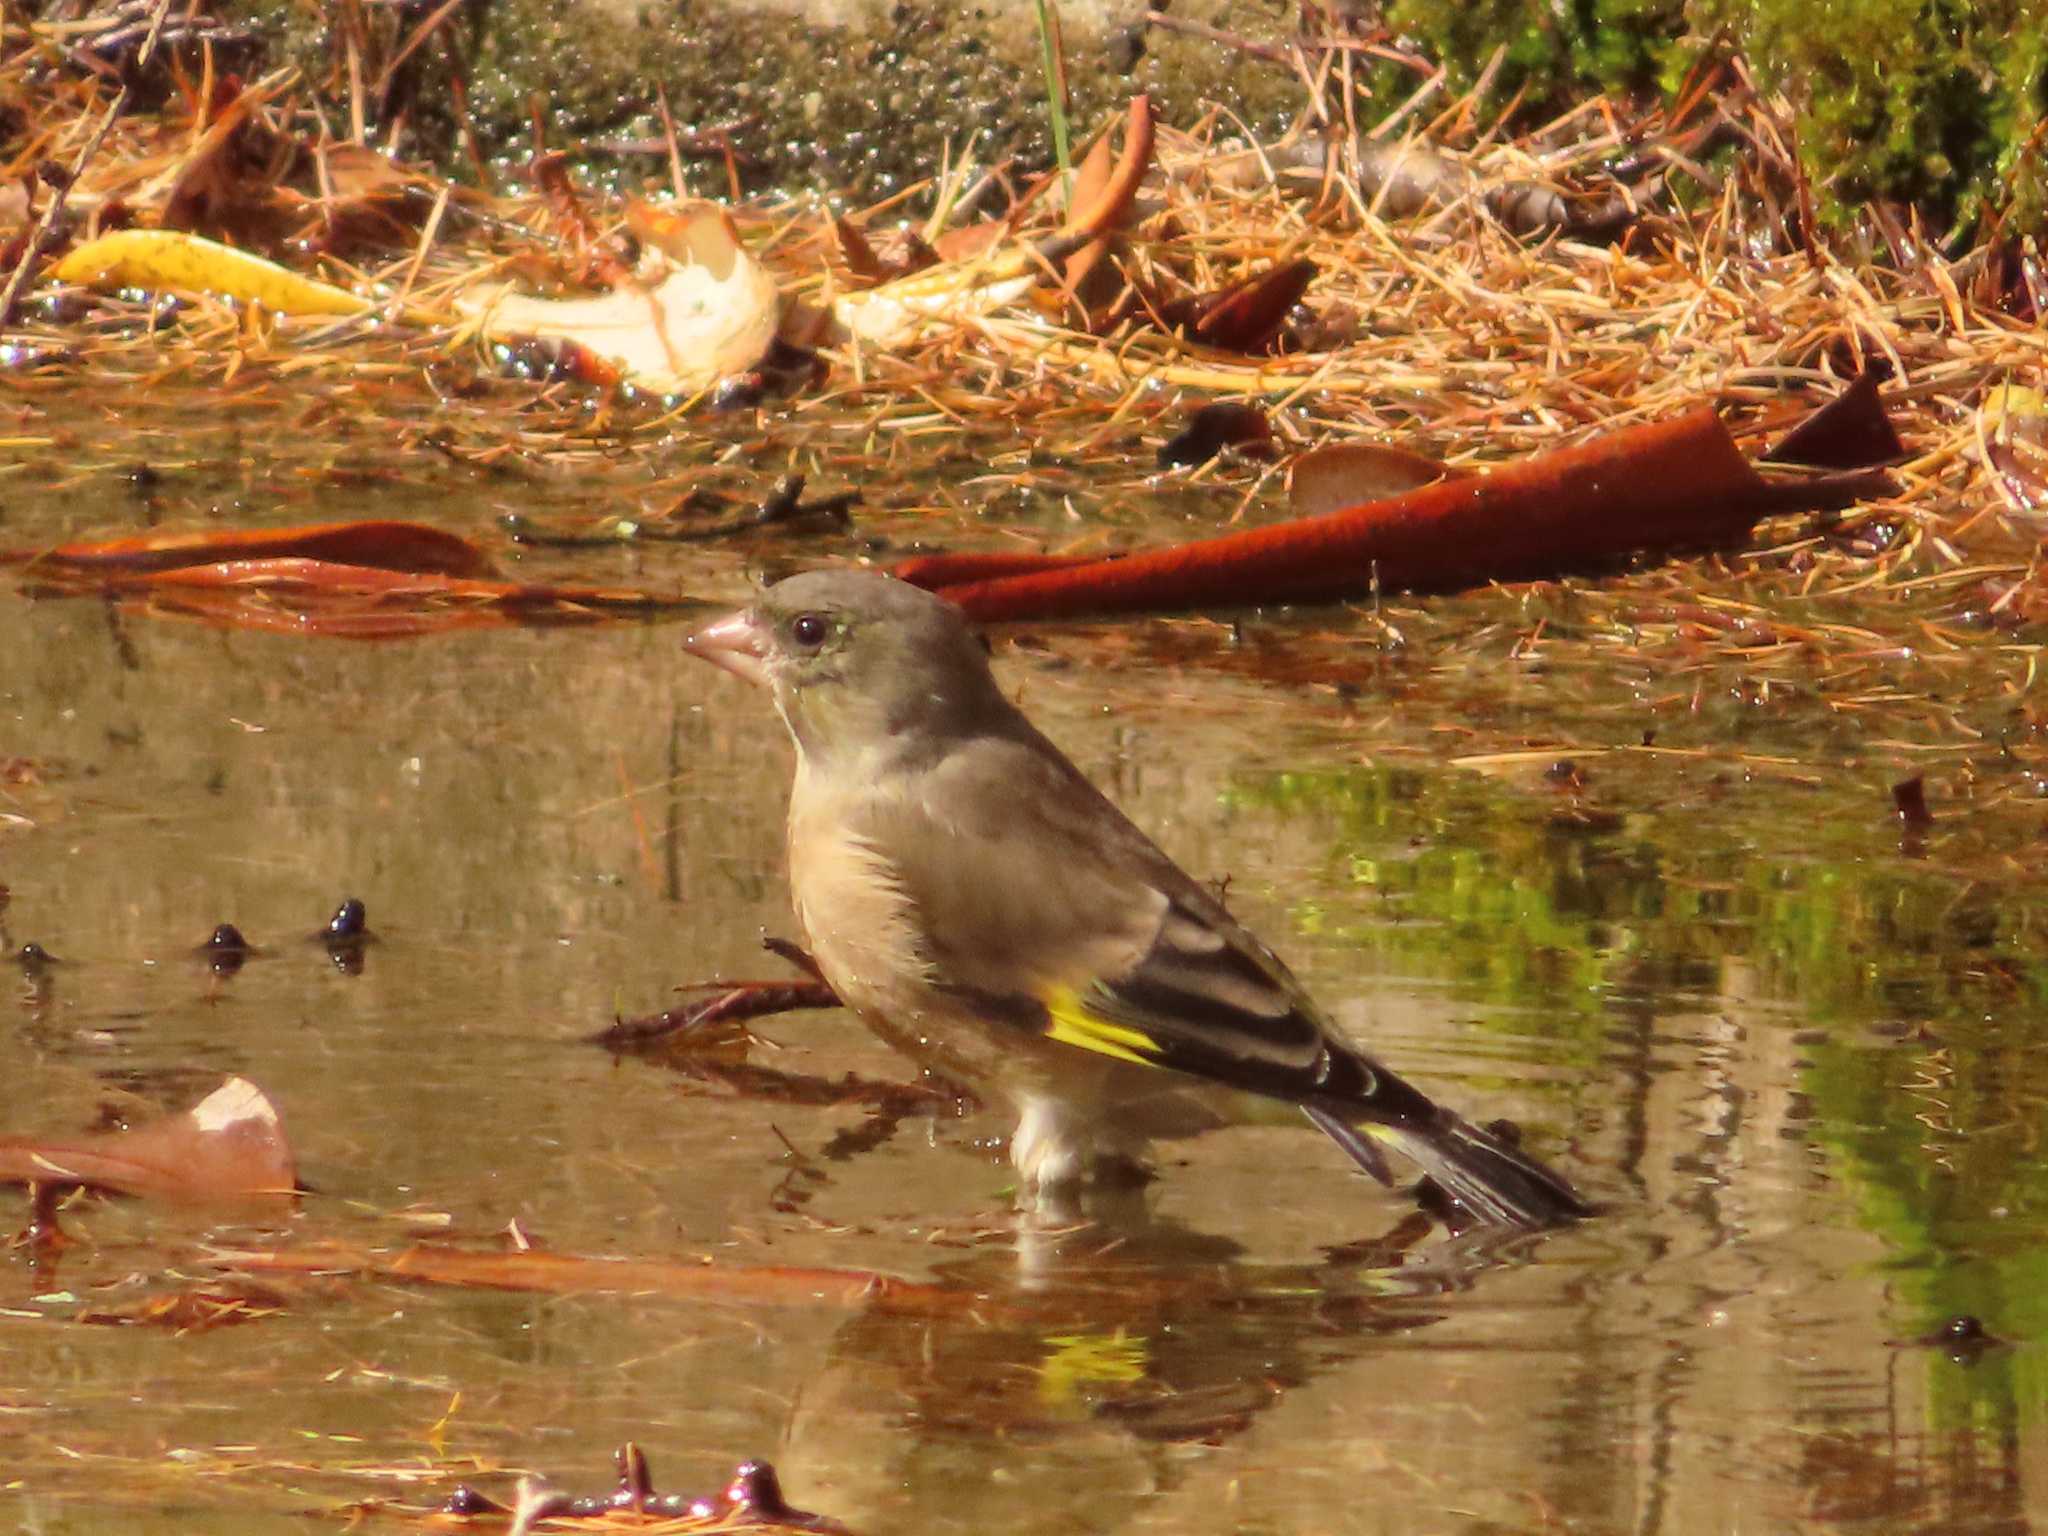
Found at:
[858, 662]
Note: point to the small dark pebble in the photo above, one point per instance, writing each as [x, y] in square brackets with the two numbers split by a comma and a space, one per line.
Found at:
[465, 1500]
[755, 1487]
[34, 959]
[1219, 425]
[1563, 771]
[58, 306]
[227, 940]
[536, 361]
[1963, 1338]
[145, 477]
[754, 1490]
[347, 936]
[225, 950]
[349, 925]
[1909, 801]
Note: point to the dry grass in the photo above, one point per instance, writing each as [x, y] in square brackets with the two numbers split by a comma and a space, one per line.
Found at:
[1441, 331]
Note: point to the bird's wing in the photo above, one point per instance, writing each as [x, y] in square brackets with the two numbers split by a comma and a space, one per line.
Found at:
[1034, 891]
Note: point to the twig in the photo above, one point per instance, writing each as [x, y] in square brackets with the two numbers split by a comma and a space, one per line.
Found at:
[1272, 53]
[420, 34]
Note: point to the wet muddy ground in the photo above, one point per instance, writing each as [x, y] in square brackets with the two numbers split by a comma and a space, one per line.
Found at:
[1653, 902]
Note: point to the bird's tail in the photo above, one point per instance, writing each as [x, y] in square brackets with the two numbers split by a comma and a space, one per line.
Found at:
[1483, 1171]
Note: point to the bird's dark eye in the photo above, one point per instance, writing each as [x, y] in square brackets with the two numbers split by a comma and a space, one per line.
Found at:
[809, 630]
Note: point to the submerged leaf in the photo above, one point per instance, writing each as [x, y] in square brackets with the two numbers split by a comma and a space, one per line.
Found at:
[370, 580]
[386, 545]
[570, 1274]
[229, 1146]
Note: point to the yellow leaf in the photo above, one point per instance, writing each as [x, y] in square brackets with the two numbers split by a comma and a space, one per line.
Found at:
[169, 258]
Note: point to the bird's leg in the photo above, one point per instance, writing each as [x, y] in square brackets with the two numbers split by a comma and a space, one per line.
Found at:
[1059, 1146]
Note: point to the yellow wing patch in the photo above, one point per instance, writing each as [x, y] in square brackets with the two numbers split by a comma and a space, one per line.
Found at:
[1072, 1024]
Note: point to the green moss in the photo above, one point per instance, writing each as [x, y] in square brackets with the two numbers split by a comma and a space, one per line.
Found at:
[1938, 105]
[1556, 53]
[1934, 104]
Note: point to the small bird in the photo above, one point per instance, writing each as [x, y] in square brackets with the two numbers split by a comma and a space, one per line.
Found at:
[987, 911]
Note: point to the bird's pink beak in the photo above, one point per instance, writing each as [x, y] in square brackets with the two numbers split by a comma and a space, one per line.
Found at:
[737, 642]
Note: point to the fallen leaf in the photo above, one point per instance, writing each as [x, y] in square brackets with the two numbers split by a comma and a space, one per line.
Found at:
[569, 1274]
[185, 263]
[1665, 485]
[1849, 432]
[228, 1146]
[957, 292]
[699, 309]
[1341, 475]
[1244, 316]
[387, 545]
[371, 580]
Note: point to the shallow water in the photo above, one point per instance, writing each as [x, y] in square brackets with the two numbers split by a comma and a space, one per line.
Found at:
[1790, 1053]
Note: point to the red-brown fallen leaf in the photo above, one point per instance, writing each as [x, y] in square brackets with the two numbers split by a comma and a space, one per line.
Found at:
[1112, 200]
[1091, 179]
[934, 571]
[354, 602]
[360, 581]
[382, 545]
[1665, 485]
[228, 1146]
[1849, 432]
[1246, 316]
[860, 257]
[569, 1274]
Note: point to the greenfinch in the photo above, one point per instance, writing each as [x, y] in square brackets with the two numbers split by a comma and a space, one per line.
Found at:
[987, 911]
